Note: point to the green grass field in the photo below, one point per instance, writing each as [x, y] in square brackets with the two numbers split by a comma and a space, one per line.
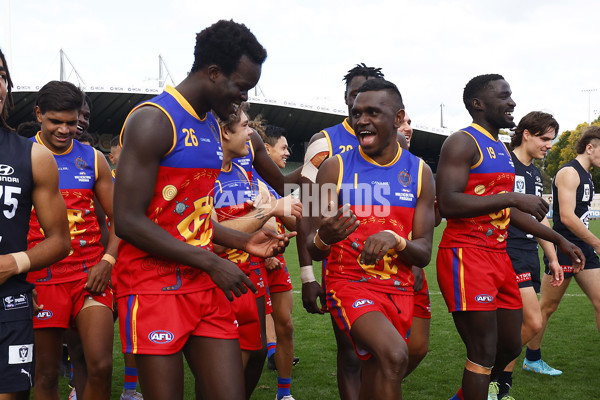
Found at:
[572, 344]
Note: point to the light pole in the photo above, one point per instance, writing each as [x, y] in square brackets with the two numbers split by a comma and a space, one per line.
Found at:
[442, 115]
[589, 92]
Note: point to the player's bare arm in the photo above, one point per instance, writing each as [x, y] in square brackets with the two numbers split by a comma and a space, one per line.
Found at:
[99, 275]
[458, 154]
[417, 251]
[328, 229]
[311, 290]
[148, 136]
[558, 274]
[262, 243]
[567, 181]
[52, 214]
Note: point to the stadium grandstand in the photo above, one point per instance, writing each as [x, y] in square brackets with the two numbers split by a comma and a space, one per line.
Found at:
[112, 104]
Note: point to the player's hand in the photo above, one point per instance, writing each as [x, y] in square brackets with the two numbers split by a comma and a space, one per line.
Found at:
[8, 267]
[311, 291]
[272, 263]
[419, 278]
[36, 307]
[285, 207]
[532, 204]
[230, 278]
[574, 252]
[264, 243]
[98, 278]
[376, 247]
[337, 227]
[558, 274]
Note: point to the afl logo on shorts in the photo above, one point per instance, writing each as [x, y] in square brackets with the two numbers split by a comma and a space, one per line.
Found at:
[160, 337]
[44, 314]
[6, 170]
[362, 303]
[484, 298]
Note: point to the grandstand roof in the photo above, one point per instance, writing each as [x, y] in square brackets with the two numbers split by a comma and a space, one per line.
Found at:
[112, 103]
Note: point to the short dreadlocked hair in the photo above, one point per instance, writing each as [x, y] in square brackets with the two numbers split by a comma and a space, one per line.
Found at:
[475, 86]
[223, 44]
[362, 70]
[9, 100]
[382, 84]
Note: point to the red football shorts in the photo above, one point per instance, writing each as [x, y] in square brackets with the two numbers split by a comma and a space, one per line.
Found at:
[347, 301]
[258, 276]
[246, 314]
[473, 279]
[422, 304]
[161, 324]
[279, 280]
[63, 301]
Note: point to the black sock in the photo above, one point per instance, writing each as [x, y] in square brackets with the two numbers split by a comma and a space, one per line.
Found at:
[504, 383]
[533, 355]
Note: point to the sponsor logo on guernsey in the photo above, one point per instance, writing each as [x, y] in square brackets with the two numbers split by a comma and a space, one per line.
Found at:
[44, 314]
[362, 303]
[484, 298]
[161, 337]
[15, 302]
[6, 170]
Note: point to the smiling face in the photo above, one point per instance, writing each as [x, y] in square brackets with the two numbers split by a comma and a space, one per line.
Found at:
[57, 128]
[230, 91]
[406, 129]
[279, 152]
[84, 120]
[497, 104]
[537, 146]
[236, 137]
[375, 121]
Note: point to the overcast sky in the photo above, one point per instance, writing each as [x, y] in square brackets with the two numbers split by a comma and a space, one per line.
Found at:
[547, 50]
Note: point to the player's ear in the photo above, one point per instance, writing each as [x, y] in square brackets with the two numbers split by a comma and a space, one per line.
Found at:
[400, 114]
[38, 114]
[477, 104]
[214, 71]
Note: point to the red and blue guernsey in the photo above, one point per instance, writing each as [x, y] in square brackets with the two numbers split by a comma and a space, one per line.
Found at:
[340, 138]
[181, 204]
[493, 174]
[383, 197]
[78, 171]
[233, 189]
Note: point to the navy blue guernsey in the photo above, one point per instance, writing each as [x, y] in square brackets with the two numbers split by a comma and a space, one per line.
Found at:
[528, 180]
[16, 186]
[583, 200]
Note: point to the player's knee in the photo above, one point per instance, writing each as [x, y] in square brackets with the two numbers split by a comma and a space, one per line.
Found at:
[393, 362]
[100, 369]
[46, 379]
[285, 329]
[534, 326]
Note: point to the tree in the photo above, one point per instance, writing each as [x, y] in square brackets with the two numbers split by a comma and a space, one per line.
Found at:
[563, 151]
